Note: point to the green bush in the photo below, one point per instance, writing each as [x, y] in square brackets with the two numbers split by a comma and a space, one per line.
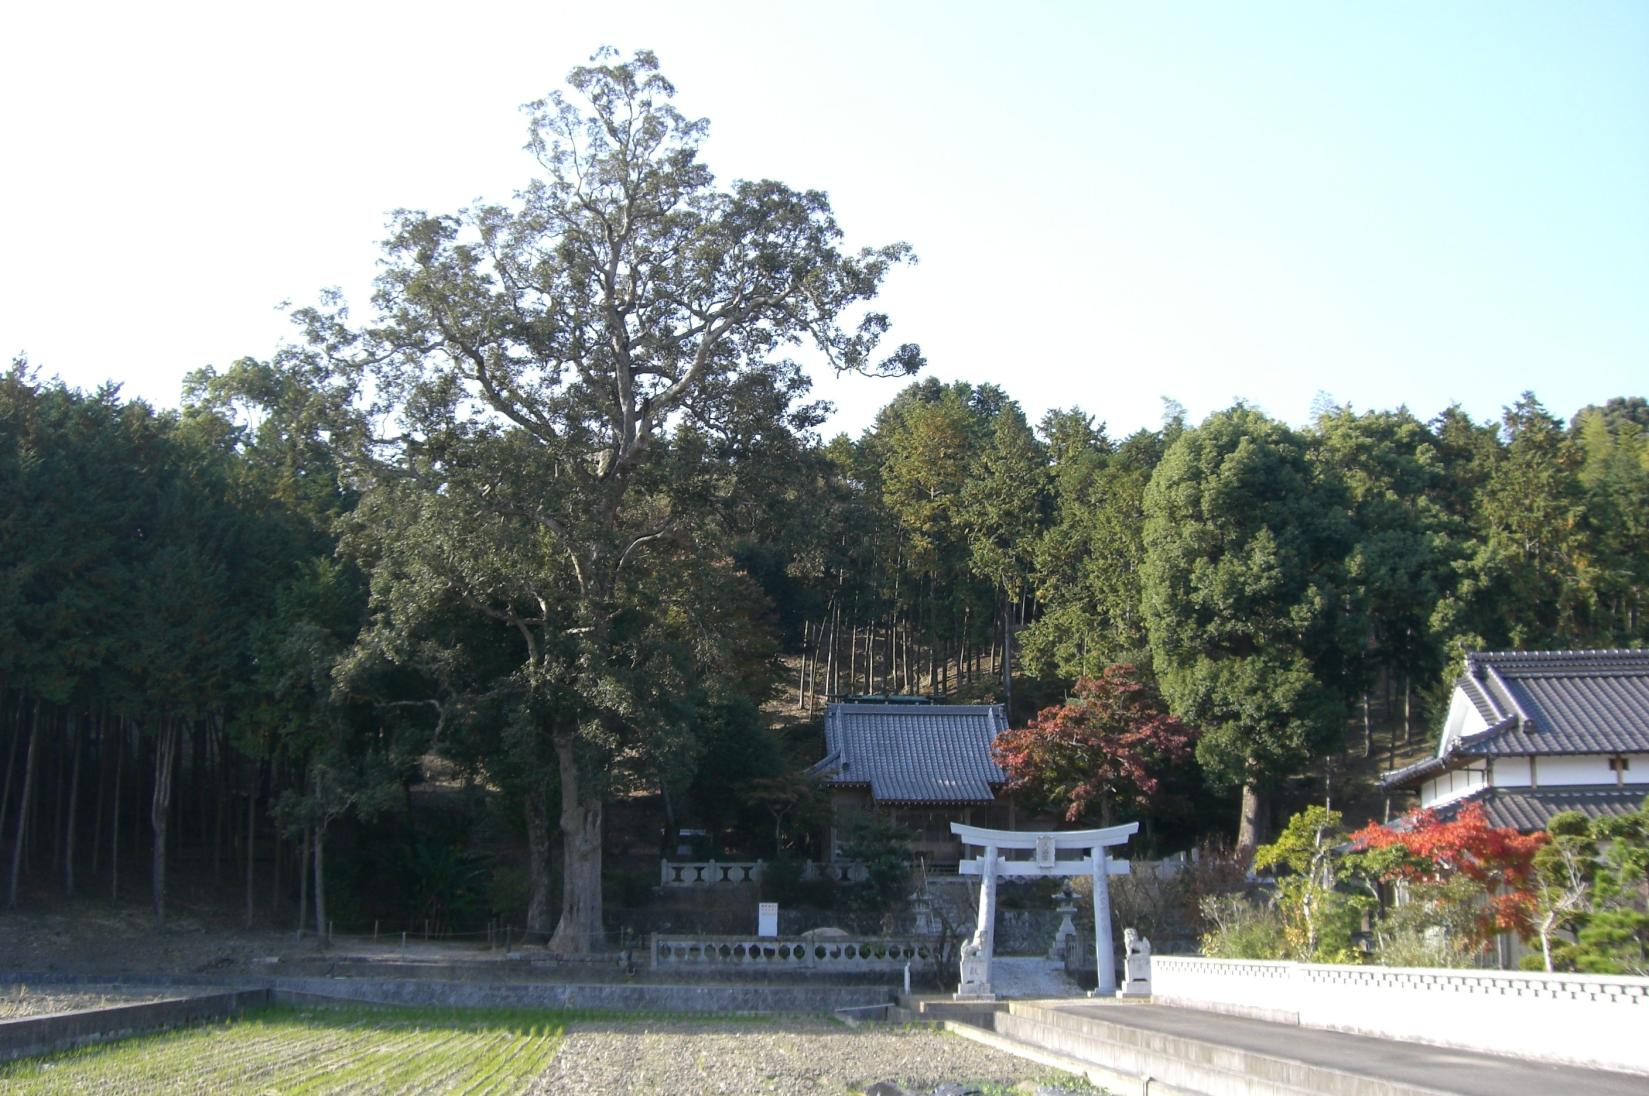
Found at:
[1242, 929]
[883, 847]
[782, 882]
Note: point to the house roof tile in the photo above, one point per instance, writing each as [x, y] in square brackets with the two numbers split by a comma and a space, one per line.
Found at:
[1529, 809]
[1560, 702]
[937, 753]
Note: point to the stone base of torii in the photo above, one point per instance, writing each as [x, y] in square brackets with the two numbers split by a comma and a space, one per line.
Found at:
[1044, 862]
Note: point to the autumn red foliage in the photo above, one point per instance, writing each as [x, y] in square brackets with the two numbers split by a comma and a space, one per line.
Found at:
[1101, 752]
[1498, 859]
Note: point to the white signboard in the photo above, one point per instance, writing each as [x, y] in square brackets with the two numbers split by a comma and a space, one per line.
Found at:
[767, 919]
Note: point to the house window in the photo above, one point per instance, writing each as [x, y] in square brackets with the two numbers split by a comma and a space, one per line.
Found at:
[1619, 765]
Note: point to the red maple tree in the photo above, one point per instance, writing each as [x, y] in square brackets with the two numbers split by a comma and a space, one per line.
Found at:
[1500, 860]
[1101, 752]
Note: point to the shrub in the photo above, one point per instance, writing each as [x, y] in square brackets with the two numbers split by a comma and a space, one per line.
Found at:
[1242, 928]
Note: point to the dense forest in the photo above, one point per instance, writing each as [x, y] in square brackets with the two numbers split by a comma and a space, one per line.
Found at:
[557, 523]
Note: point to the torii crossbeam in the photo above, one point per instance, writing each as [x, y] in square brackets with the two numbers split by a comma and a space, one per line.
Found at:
[1045, 861]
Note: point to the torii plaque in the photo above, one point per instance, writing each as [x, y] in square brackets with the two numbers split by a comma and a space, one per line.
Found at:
[1045, 861]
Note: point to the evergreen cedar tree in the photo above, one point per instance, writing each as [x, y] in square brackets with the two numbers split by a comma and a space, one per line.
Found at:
[590, 383]
[1253, 625]
[1101, 753]
[1499, 859]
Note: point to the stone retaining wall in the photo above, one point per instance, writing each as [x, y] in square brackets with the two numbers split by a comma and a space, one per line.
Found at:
[31, 1035]
[615, 997]
[607, 998]
[1580, 1019]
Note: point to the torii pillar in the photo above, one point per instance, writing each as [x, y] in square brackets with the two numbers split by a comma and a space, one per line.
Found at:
[988, 865]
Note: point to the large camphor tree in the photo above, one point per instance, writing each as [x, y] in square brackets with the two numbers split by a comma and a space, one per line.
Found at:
[581, 381]
[1252, 623]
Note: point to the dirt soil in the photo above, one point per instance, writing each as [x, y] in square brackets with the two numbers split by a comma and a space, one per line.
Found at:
[93, 937]
[19, 1001]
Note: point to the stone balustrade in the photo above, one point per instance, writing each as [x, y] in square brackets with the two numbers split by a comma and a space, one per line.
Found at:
[1581, 1019]
[710, 873]
[825, 954]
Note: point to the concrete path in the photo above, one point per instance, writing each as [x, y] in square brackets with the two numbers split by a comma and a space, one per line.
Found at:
[1442, 1069]
[1018, 978]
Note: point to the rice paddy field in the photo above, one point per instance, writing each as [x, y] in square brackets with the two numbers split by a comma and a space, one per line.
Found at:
[312, 1050]
[376, 1049]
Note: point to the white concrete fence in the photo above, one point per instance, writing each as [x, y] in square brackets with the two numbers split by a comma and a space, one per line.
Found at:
[1582, 1019]
[825, 954]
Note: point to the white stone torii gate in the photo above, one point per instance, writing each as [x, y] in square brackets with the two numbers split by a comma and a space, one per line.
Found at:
[977, 952]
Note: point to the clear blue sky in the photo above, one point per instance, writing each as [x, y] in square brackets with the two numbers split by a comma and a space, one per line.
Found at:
[1389, 203]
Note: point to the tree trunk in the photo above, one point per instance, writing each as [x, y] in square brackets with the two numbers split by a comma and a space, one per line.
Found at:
[11, 758]
[59, 750]
[1408, 711]
[102, 783]
[1368, 729]
[75, 733]
[220, 801]
[251, 839]
[830, 651]
[320, 885]
[579, 929]
[853, 651]
[23, 807]
[539, 917]
[801, 673]
[1007, 657]
[1251, 824]
[160, 810]
[114, 811]
[303, 882]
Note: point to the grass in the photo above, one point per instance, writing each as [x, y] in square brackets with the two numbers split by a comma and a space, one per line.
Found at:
[315, 1050]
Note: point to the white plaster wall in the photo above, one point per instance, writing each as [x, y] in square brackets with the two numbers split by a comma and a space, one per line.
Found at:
[1451, 786]
[1582, 769]
[1512, 772]
[1581, 1019]
[1463, 718]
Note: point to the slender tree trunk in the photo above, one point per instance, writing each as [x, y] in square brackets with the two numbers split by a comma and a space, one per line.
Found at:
[11, 757]
[539, 914]
[320, 885]
[303, 882]
[801, 675]
[853, 657]
[870, 673]
[1007, 657]
[160, 810]
[1408, 711]
[220, 801]
[114, 811]
[1368, 728]
[830, 656]
[102, 786]
[77, 733]
[579, 929]
[1251, 825]
[252, 839]
[23, 806]
[60, 752]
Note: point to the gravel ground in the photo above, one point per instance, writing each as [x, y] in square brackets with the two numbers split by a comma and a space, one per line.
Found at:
[788, 1055]
[19, 1001]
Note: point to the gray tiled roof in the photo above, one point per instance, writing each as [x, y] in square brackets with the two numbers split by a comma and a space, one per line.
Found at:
[938, 753]
[1529, 809]
[1559, 702]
